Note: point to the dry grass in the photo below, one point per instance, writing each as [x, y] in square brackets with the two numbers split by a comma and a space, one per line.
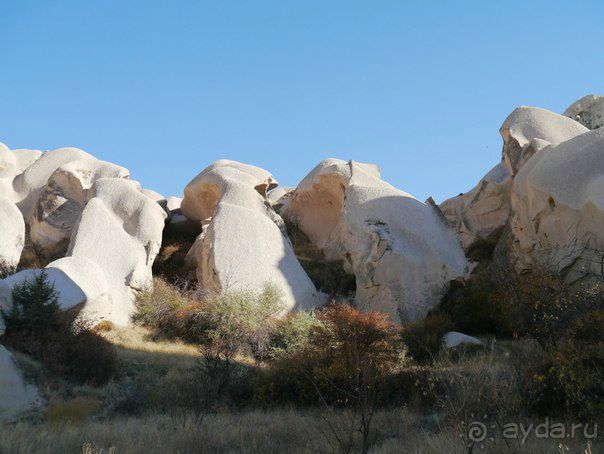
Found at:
[250, 432]
[136, 342]
[84, 419]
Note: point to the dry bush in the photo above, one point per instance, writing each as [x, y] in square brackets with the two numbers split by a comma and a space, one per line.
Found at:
[424, 338]
[239, 321]
[568, 379]
[168, 309]
[346, 360]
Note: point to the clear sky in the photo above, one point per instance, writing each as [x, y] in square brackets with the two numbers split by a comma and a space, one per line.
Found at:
[166, 87]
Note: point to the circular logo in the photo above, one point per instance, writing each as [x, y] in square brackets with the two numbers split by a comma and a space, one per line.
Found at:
[477, 432]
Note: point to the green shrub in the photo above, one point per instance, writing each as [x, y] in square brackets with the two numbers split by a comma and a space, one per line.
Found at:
[293, 334]
[168, 309]
[241, 321]
[64, 343]
[35, 305]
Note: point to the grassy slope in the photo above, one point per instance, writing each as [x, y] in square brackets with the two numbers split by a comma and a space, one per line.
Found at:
[84, 419]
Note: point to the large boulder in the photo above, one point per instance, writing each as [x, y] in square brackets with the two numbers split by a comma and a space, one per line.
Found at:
[16, 395]
[486, 207]
[479, 212]
[558, 204]
[453, 339]
[61, 202]
[12, 236]
[29, 184]
[589, 111]
[401, 250]
[527, 123]
[243, 244]
[120, 230]
[13, 163]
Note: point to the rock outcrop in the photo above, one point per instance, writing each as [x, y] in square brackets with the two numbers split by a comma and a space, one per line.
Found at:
[527, 123]
[16, 395]
[124, 248]
[558, 203]
[589, 111]
[13, 163]
[401, 250]
[479, 212]
[453, 339]
[486, 207]
[12, 236]
[243, 244]
[63, 198]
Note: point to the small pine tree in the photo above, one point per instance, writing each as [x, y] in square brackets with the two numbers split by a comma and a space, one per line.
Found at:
[35, 305]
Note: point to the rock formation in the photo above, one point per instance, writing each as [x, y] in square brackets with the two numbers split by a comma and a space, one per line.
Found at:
[68, 203]
[124, 249]
[243, 244]
[486, 207]
[589, 111]
[479, 212]
[12, 236]
[63, 198]
[558, 204]
[401, 250]
[527, 123]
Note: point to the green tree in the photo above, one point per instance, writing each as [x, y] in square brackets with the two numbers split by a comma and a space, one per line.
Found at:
[35, 305]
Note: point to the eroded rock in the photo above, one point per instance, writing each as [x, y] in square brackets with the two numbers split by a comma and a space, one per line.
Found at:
[401, 251]
[243, 244]
[62, 200]
[12, 237]
[484, 209]
[558, 204]
[527, 123]
[126, 245]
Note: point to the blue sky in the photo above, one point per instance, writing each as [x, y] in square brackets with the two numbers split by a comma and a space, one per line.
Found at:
[165, 88]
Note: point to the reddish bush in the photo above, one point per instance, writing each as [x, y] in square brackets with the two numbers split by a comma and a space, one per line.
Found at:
[346, 358]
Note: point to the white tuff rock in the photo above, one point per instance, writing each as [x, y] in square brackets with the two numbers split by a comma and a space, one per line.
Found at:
[486, 207]
[401, 250]
[12, 236]
[61, 201]
[243, 244]
[454, 339]
[479, 212]
[120, 230]
[558, 203]
[527, 123]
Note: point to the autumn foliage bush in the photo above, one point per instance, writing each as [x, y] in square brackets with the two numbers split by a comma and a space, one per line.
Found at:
[344, 355]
